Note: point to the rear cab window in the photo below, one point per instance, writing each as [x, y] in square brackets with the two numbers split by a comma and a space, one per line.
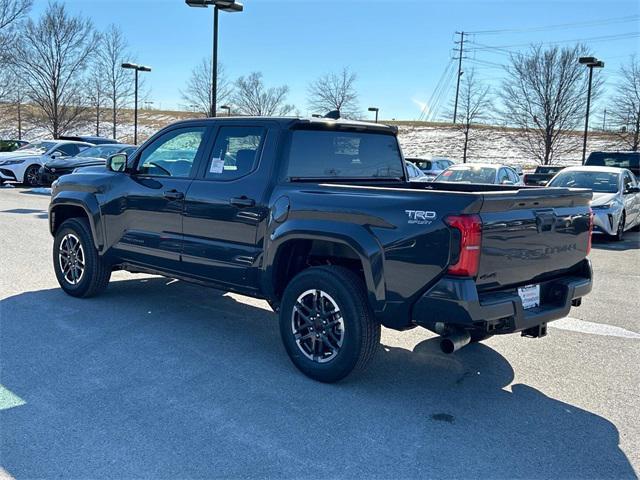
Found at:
[328, 154]
[615, 159]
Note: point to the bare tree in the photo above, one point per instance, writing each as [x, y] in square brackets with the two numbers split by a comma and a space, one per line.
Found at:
[544, 96]
[54, 53]
[197, 95]
[473, 107]
[95, 88]
[335, 91]
[118, 86]
[626, 105]
[251, 97]
[11, 13]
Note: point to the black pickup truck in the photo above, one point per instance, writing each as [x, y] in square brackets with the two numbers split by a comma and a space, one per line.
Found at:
[542, 175]
[317, 217]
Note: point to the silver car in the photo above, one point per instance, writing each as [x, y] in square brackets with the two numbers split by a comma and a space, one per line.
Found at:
[616, 196]
[480, 173]
[415, 174]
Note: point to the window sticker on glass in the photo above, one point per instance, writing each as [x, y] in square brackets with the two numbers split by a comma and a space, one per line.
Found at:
[217, 165]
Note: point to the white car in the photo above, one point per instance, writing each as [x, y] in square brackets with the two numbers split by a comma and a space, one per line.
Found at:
[431, 167]
[415, 174]
[480, 173]
[22, 165]
[616, 196]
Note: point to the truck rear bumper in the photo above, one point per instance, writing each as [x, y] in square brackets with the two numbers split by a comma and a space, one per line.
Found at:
[455, 302]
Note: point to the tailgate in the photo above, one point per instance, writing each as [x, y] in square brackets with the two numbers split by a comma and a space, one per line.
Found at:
[532, 234]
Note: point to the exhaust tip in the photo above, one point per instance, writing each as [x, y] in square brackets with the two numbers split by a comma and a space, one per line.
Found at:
[455, 341]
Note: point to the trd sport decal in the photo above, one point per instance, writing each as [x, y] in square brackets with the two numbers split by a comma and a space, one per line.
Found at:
[421, 217]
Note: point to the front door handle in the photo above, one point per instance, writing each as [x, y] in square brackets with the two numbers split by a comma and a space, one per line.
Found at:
[242, 202]
[173, 195]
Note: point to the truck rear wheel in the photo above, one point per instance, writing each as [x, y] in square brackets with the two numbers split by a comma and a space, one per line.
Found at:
[80, 271]
[327, 325]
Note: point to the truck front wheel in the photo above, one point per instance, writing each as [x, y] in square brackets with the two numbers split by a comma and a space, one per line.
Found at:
[80, 271]
[326, 323]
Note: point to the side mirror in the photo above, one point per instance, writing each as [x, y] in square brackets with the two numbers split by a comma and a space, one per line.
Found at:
[117, 162]
[55, 155]
[506, 182]
[632, 190]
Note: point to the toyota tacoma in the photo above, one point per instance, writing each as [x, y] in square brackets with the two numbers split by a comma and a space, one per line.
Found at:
[317, 216]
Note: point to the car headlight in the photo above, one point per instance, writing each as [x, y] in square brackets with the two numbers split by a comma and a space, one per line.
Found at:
[12, 162]
[606, 206]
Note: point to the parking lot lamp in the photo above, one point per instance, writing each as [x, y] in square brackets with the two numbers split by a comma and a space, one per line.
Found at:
[227, 108]
[230, 6]
[374, 109]
[591, 63]
[136, 68]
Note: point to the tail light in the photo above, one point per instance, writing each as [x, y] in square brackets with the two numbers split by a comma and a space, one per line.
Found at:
[590, 230]
[470, 227]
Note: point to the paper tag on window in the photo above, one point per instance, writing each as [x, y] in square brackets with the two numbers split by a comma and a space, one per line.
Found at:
[217, 165]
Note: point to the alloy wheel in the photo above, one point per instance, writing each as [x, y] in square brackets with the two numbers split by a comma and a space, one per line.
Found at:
[71, 258]
[317, 325]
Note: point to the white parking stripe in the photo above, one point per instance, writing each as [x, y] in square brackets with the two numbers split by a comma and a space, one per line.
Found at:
[582, 326]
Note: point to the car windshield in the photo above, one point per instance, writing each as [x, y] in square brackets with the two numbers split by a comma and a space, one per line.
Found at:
[468, 175]
[333, 154]
[548, 169]
[423, 164]
[100, 151]
[599, 182]
[620, 160]
[40, 147]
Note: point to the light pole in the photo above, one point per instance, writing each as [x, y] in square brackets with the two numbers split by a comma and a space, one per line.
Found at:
[591, 63]
[226, 6]
[227, 108]
[375, 109]
[136, 68]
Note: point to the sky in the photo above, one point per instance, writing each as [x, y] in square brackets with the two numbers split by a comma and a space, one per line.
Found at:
[400, 50]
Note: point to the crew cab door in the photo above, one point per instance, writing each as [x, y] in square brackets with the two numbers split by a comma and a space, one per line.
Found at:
[225, 211]
[631, 198]
[152, 200]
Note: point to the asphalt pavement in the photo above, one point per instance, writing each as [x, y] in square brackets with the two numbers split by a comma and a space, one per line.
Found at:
[160, 379]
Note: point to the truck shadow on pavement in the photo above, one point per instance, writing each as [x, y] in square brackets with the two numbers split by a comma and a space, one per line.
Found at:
[631, 241]
[159, 379]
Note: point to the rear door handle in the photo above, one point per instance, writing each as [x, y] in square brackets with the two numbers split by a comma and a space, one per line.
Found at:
[242, 202]
[173, 195]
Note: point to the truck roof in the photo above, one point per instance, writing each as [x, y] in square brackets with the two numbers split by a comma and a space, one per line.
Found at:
[301, 122]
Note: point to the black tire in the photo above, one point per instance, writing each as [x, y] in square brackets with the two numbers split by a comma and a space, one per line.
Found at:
[31, 176]
[96, 273]
[361, 332]
[620, 231]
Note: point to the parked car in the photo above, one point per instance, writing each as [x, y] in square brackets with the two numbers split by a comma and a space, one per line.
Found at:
[329, 231]
[542, 175]
[629, 160]
[93, 156]
[90, 139]
[616, 196]
[415, 174]
[11, 145]
[478, 173]
[431, 167]
[23, 164]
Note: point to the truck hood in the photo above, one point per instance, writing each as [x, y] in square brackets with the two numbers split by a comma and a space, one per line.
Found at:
[602, 198]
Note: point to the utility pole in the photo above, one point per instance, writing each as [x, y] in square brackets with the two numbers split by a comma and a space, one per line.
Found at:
[604, 121]
[455, 108]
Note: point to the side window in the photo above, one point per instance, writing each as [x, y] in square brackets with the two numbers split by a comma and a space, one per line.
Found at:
[627, 182]
[503, 175]
[236, 152]
[173, 154]
[68, 149]
[514, 176]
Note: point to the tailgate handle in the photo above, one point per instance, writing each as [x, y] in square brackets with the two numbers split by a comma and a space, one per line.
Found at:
[545, 221]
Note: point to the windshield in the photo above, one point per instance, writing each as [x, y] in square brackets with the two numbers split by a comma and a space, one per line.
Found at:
[621, 160]
[101, 151]
[40, 147]
[599, 182]
[330, 154]
[548, 169]
[468, 175]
